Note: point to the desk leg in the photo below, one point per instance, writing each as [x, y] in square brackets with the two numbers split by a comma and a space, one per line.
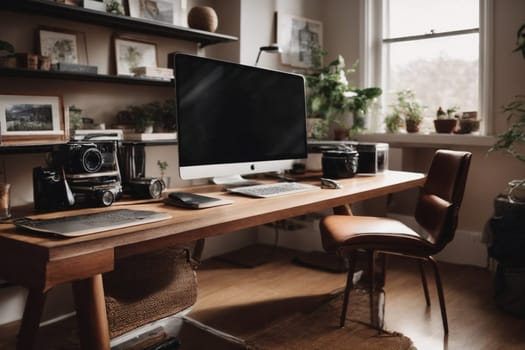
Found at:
[91, 313]
[27, 335]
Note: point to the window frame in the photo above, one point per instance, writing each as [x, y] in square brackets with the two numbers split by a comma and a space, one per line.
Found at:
[372, 65]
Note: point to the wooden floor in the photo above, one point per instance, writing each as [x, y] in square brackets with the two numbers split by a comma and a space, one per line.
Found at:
[238, 300]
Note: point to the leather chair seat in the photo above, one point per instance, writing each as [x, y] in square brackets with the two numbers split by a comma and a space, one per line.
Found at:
[342, 233]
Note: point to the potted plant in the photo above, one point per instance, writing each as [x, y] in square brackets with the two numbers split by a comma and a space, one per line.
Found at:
[7, 55]
[410, 109]
[331, 101]
[446, 122]
[512, 140]
[163, 165]
[393, 122]
[143, 118]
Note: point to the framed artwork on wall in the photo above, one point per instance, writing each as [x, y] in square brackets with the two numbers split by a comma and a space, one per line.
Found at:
[62, 46]
[31, 119]
[131, 53]
[297, 36]
[157, 10]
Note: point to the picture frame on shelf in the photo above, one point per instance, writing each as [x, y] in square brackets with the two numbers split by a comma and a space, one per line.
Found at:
[156, 10]
[131, 53]
[28, 119]
[297, 36]
[115, 7]
[96, 5]
[62, 46]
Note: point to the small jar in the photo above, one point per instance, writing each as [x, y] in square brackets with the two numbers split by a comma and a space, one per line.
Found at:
[338, 164]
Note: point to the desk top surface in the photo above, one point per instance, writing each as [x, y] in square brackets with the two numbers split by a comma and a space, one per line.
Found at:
[187, 225]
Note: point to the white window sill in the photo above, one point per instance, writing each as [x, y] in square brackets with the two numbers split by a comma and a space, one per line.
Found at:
[428, 140]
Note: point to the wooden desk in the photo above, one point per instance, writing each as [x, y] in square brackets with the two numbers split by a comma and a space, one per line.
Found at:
[41, 262]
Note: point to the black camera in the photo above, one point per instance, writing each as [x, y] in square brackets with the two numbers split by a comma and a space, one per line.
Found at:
[83, 158]
[88, 169]
[146, 187]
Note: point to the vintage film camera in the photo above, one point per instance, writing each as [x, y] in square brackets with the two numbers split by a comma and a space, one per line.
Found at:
[87, 169]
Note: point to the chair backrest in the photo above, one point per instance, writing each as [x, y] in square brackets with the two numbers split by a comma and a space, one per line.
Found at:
[440, 198]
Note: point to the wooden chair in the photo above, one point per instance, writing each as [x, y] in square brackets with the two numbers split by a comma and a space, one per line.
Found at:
[436, 212]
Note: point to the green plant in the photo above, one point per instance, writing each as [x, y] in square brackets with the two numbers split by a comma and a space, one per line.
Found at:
[327, 86]
[520, 40]
[409, 107]
[330, 96]
[161, 115]
[449, 114]
[512, 140]
[393, 122]
[7, 47]
[163, 165]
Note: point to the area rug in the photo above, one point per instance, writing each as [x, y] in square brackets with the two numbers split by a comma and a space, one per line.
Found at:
[319, 329]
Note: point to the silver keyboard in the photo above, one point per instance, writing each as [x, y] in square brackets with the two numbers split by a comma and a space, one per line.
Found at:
[272, 190]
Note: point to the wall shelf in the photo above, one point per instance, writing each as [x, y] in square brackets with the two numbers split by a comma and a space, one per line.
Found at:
[102, 78]
[80, 14]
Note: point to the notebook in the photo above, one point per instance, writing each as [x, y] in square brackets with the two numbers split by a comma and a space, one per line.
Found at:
[79, 225]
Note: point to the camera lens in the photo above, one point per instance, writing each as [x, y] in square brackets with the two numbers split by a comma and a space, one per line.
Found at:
[155, 188]
[91, 160]
[106, 198]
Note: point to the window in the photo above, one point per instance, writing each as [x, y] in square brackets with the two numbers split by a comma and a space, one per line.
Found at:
[434, 48]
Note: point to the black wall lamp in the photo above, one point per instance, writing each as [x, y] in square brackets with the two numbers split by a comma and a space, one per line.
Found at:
[274, 48]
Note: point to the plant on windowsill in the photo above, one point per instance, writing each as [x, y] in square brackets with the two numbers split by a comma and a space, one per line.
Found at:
[331, 101]
[446, 122]
[410, 109]
[512, 140]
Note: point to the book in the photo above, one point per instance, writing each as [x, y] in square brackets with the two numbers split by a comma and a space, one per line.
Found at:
[156, 136]
[153, 72]
[74, 68]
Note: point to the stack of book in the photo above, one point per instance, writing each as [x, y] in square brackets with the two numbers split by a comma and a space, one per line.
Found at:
[153, 73]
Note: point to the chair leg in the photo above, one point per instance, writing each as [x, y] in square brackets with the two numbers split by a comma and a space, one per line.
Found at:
[372, 277]
[424, 281]
[349, 285]
[440, 294]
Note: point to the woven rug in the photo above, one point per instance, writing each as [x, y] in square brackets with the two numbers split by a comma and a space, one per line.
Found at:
[319, 329]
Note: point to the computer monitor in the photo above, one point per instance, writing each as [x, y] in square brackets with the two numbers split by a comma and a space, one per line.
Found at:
[234, 119]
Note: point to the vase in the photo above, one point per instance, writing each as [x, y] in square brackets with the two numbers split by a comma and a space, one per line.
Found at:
[203, 18]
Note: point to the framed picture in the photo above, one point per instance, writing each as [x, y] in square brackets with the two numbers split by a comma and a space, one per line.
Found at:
[131, 53]
[30, 119]
[157, 10]
[296, 37]
[62, 46]
[115, 7]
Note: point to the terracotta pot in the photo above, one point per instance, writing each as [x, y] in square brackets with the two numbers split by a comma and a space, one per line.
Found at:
[445, 126]
[341, 134]
[411, 126]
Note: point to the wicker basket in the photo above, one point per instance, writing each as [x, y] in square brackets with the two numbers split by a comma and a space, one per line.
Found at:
[148, 287]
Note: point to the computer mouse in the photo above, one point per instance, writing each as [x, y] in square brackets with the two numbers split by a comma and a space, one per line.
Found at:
[330, 183]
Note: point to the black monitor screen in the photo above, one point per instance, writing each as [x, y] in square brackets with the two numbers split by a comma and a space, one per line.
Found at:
[230, 113]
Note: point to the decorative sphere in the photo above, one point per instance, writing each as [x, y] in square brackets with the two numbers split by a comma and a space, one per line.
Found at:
[203, 18]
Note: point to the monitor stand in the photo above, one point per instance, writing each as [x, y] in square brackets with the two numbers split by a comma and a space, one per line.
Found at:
[234, 181]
